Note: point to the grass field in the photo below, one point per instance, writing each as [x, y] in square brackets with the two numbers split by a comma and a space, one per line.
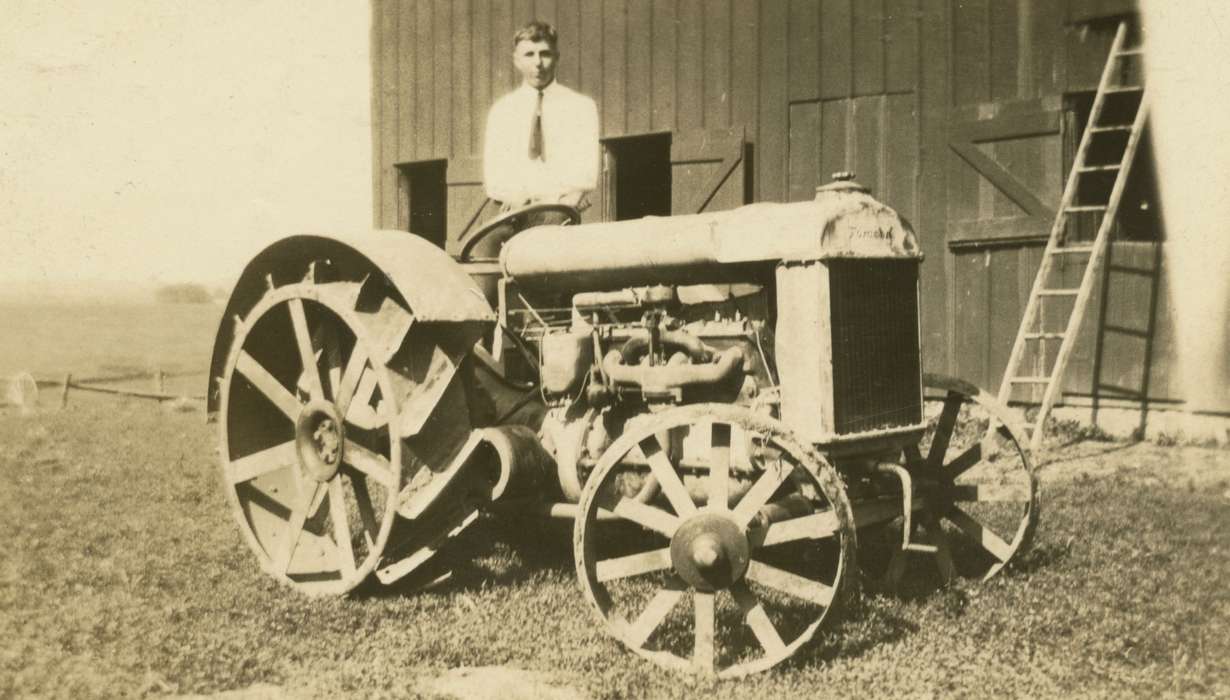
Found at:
[105, 338]
[124, 575]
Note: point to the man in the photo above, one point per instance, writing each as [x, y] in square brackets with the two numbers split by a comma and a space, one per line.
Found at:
[541, 142]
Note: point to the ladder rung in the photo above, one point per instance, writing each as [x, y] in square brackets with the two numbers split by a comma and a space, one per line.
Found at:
[1121, 391]
[1132, 270]
[1043, 336]
[1112, 127]
[1097, 168]
[1072, 250]
[1124, 330]
[1030, 380]
[1120, 89]
[1087, 207]
[1058, 292]
[1130, 52]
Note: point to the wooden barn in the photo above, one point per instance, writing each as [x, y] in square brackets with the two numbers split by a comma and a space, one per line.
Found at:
[964, 115]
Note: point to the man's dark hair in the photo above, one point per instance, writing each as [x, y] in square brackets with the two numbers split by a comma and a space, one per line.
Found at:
[537, 30]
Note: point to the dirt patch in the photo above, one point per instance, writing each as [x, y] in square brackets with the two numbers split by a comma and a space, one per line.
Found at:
[1175, 466]
[500, 682]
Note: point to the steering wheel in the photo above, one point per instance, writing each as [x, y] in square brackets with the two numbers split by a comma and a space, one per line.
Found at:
[496, 232]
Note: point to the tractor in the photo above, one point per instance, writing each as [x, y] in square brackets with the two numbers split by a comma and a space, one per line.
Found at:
[730, 406]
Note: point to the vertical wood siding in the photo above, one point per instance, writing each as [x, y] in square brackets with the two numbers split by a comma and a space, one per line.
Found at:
[390, 85]
[934, 95]
[816, 86]
[652, 65]
[639, 78]
[658, 65]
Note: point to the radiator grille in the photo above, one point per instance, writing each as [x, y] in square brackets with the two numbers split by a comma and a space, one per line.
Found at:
[876, 371]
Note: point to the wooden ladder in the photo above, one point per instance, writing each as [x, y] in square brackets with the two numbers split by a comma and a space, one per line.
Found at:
[1027, 365]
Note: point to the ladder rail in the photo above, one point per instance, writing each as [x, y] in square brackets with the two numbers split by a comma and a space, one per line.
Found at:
[1059, 225]
[1052, 379]
[1101, 243]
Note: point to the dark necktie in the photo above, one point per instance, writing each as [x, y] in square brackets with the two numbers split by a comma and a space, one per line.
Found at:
[536, 131]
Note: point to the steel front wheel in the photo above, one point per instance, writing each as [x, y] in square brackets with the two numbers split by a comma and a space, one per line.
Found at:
[737, 563]
[979, 493]
[310, 449]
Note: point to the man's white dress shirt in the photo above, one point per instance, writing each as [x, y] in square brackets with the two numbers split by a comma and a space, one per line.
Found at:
[569, 161]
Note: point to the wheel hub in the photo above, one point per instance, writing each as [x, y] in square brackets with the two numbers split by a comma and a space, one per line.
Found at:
[710, 551]
[319, 437]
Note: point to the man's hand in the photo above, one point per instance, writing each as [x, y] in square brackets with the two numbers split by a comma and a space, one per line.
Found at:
[576, 200]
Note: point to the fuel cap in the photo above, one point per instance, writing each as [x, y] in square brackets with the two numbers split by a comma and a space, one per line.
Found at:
[843, 181]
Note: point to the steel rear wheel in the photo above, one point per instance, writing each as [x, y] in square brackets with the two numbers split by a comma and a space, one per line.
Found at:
[310, 449]
[738, 562]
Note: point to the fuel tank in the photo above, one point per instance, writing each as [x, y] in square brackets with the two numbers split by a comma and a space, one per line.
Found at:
[744, 244]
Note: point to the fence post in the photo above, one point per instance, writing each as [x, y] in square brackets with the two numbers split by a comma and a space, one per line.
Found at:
[68, 380]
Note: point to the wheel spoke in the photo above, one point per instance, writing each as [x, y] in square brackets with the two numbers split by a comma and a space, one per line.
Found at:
[811, 527]
[774, 474]
[756, 618]
[987, 493]
[634, 564]
[268, 385]
[648, 517]
[332, 353]
[964, 461]
[306, 354]
[979, 534]
[317, 499]
[359, 411]
[370, 463]
[705, 626]
[294, 527]
[662, 468]
[355, 364]
[943, 551]
[719, 466]
[341, 527]
[786, 582]
[639, 631]
[262, 462]
[896, 569]
[943, 429]
[363, 501]
[913, 457]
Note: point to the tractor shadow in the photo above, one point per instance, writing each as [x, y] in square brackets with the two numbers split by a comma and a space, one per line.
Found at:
[494, 551]
[882, 612]
[510, 551]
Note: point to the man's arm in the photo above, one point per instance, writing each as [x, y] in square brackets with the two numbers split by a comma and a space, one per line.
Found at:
[580, 174]
[499, 176]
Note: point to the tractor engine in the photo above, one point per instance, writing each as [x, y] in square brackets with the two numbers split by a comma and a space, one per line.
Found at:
[629, 353]
[628, 319]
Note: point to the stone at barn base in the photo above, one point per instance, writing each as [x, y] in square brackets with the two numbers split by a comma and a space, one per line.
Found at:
[1160, 426]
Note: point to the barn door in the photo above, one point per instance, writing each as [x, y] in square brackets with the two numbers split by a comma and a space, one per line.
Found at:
[1006, 175]
[708, 170]
[468, 205]
[708, 173]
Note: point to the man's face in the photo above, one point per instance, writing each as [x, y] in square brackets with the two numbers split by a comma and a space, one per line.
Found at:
[536, 62]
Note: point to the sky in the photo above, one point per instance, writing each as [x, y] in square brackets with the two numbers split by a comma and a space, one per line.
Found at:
[168, 141]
